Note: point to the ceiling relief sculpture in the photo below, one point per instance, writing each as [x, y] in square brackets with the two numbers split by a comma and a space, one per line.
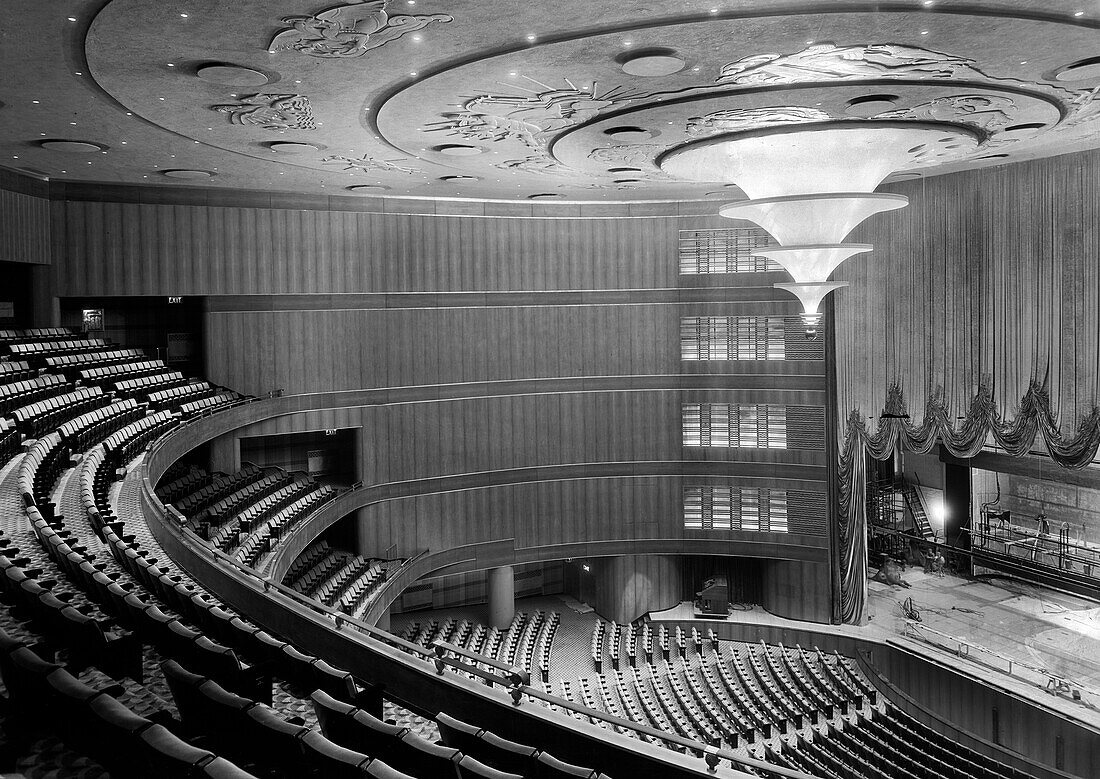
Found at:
[533, 164]
[367, 164]
[829, 62]
[417, 88]
[271, 112]
[735, 119]
[349, 30]
[534, 118]
[986, 112]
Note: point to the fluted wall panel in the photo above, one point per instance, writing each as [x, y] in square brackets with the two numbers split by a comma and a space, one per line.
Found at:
[24, 227]
[175, 249]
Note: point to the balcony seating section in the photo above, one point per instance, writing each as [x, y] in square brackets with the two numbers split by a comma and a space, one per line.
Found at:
[175, 397]
[38, 418]
[107, 374]
[84, 613]
[23, 392]
[210, 403]
[72, 364]
[40, 350]
[12, 371]
[145, 385]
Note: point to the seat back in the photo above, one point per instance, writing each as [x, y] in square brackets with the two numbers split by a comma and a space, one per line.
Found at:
[458, 734]
[549, 767]
[333, 761]
[469, 767]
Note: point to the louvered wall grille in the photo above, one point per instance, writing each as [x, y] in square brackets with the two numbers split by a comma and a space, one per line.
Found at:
[727, 250]
[806, 512]
[732, 338]
[797, 346]
[732, 508]
[806, 427]
[732, 425]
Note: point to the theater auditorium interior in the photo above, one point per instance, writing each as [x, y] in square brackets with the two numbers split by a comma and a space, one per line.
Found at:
[440, 389]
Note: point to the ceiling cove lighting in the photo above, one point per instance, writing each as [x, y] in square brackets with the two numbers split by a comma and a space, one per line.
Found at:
[810, 186]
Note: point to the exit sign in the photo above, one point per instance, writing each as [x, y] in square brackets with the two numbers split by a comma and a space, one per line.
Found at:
[172, 299]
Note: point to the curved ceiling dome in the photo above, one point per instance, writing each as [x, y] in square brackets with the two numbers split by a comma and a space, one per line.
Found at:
[520, 101]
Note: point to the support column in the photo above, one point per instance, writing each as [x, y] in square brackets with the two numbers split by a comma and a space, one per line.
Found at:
[225, 454]
[501, 588]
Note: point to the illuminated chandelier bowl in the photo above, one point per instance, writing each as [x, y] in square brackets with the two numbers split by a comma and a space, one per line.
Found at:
[810, 185]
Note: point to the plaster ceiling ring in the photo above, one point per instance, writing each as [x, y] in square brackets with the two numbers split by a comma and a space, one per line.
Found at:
[229, 74]
[1082, 70]
[294, 148]
[651, 62]
[360, 188]
[806, 220]
[188, 174]
[816, 158]
[546, 196]
[72, 146]
[458, 149]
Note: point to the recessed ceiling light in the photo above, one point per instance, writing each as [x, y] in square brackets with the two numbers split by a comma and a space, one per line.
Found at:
[183, 16]
[809, 43]
[628, 43]
[924, 32]
[714, 10]
[1023, 62]
[512, 73]
[696, 69]
[418, 37]
[160, 98]
[928, 2]
[78, 73]
[531, 37]
[171, 64]
[73, 124]
[123, 142]
[72, 18]
[35, 102]
[1078, 13]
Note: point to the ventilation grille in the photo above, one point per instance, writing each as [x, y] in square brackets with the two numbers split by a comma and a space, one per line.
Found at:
[755, 510]
[728, 250]
[733, 338]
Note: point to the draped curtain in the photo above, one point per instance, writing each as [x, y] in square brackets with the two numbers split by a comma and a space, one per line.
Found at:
[980, 305]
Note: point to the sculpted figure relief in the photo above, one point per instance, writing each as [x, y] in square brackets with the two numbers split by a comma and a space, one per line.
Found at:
[348, 30]
[989, 112]
[829, 62]
[272, 112]
[367, 164]
[735, 119]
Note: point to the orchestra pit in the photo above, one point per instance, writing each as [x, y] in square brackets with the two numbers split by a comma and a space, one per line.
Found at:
[427, 389]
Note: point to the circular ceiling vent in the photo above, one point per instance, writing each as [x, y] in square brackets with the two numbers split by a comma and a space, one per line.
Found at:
[1084, 70]
[458, 149]
[624, 170]
[870, 105]
[546, 196]
[367, 188]
[628, 181]
[80, 147]
[292, 147]
[629, 133]
[188, 173]
[651, 63]
[1021, 130]
[232, 75]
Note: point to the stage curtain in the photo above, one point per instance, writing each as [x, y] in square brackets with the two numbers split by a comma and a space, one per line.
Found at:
[979, 306]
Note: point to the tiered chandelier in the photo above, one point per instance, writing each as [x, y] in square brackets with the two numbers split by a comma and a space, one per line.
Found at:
[809, 186]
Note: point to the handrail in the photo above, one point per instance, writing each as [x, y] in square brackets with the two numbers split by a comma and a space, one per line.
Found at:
[1056, 683]
[713, 755]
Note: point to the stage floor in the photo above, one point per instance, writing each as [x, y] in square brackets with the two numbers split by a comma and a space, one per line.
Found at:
[1032, 626]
